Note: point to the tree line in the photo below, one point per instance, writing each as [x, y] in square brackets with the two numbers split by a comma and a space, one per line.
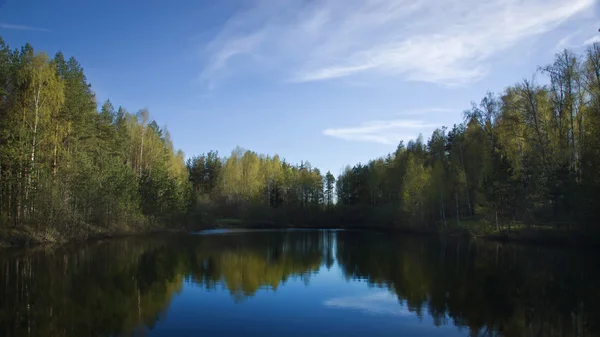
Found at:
[70, 166]
[530, 154]
[259, 188]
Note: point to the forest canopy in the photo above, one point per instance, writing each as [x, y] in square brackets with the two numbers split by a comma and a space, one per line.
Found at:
[71, 167]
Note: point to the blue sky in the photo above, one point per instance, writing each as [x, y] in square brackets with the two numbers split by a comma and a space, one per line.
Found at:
[334, 82]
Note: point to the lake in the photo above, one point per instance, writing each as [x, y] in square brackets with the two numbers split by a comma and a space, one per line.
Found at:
[298, 283]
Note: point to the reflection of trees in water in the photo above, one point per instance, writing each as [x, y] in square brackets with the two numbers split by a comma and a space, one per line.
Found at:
[113, 288]
[92, 291]
[246, 263]
[489, 288]
[116, 287]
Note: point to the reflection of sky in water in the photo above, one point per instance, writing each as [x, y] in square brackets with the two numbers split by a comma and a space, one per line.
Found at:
[295, 284]
[383, 303]
[329, 304]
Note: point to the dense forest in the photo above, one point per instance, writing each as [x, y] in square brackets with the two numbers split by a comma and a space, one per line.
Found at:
[71, 167]
[69, 170]
[530, 154]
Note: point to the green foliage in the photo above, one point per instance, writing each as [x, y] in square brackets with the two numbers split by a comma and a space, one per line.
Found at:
[69, 169]
[257, 189]
[527, 155]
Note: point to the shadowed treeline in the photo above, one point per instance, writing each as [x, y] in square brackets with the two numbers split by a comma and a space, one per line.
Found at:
[120, 287]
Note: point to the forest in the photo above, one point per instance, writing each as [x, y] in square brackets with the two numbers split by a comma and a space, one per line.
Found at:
[71, 167]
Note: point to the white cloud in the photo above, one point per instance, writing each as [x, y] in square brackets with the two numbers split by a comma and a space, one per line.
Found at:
[21, 27]
[432, 110]
[591, 40]
[376, 303]
[444, 42]
[566, 41]
[236, 46]
[383, 132]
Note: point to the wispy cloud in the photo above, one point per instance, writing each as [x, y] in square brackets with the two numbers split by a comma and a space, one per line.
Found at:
[376, 303]
[237, 46]
[428, 111]
[591, 40]
[566, 41]
[383, 132]
[21, 27]
[445, 42]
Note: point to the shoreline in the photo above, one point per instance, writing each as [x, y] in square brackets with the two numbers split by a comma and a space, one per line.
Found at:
[20, 239]
[546, 238]
[571, 239]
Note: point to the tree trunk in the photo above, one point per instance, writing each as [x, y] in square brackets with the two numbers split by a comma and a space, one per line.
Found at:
[581, 100]
[457, 208]
[141, 150]
[571, 107]
[496, 213]
[33, 142]
[55, 161]
[443, 210]
[531, 100]
[466, 179]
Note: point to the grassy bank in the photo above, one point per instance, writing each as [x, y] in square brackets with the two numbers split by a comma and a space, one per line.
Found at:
[253, 224]
[24, 236]
[549, 235]
[535, 234]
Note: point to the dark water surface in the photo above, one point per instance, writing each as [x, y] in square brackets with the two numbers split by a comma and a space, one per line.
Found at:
[298, 283]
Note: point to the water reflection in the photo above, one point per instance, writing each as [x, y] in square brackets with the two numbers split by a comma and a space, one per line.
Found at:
[486, 287]
[127, 286]
[382, 302]
[247, 261]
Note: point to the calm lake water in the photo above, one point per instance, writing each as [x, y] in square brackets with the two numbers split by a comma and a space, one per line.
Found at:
[298, 283]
